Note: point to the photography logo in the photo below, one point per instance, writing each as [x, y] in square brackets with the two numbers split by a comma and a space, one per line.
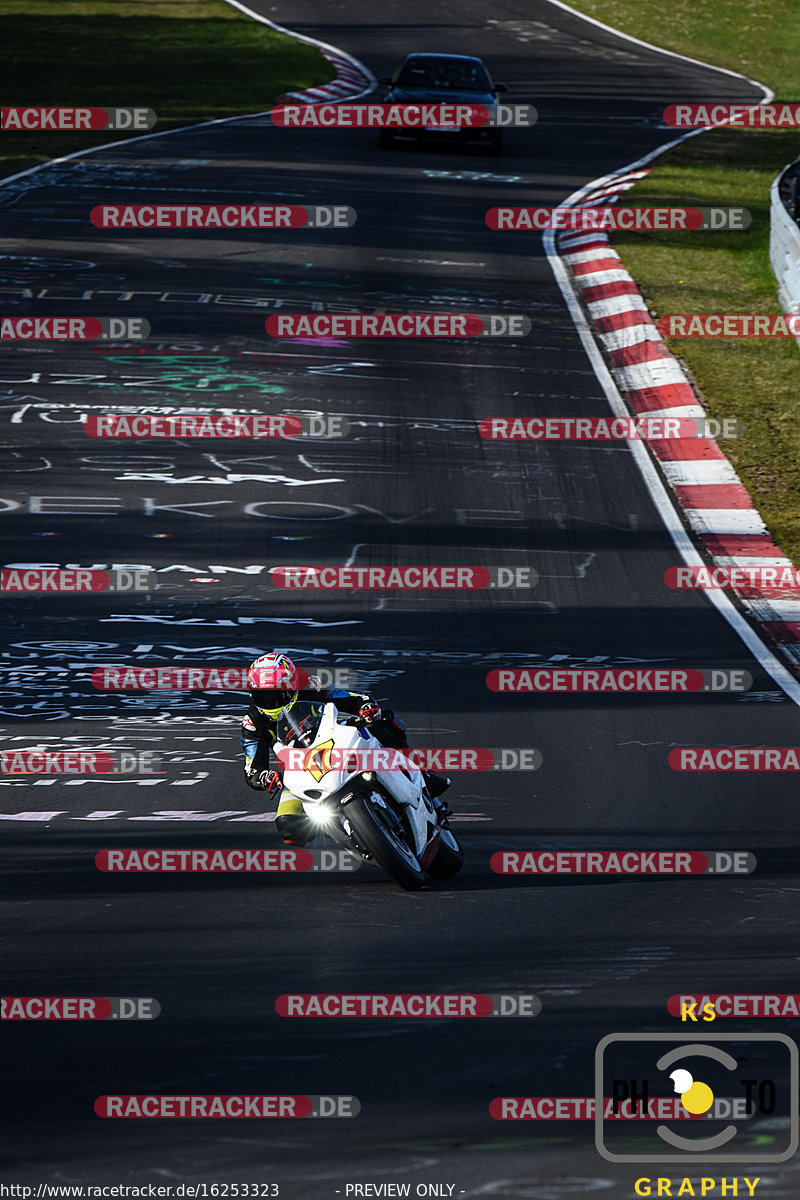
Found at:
[707, 1087]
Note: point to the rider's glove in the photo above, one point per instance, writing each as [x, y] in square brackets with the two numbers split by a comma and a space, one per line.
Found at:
[264, 781]
[369, 712]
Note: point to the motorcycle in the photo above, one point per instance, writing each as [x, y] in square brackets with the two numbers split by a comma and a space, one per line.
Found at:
[382, 816]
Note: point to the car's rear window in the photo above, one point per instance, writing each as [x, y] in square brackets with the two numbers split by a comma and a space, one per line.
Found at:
[459, 76]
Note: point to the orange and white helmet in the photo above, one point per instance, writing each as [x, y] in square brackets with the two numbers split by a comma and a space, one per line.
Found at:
[273, 683]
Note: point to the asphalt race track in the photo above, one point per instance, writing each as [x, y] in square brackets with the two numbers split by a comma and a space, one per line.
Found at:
[412, 484]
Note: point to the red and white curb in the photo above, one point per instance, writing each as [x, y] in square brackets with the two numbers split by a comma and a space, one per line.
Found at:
[712, 497]
[351, 80]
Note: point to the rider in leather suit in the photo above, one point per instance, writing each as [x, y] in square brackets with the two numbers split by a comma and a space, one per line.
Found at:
[267, 703]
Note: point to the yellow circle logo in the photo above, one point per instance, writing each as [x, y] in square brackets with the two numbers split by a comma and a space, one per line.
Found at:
[696, 1098]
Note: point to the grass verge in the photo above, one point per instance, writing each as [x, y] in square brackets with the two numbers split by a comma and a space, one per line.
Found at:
[189, 60]
[758, 379]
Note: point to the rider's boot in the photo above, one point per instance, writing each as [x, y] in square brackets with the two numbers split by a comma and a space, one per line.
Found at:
[435, 785]
[292, 823]
[295, 830]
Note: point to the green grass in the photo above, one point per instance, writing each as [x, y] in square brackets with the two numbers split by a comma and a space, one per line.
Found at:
[756, 380]
[760, 38]
[189, 60]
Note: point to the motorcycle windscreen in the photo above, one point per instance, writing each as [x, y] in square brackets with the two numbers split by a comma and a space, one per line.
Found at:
[299, 725]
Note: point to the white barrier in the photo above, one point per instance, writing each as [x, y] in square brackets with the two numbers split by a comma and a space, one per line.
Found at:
[784, 249]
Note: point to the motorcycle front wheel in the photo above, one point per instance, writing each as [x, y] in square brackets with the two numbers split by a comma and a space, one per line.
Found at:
[449, 858]
[379, 831]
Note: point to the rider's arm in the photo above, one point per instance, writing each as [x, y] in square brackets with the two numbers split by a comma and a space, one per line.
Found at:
[353, 702]
[384, 723]
[348, 702]
[256, 743]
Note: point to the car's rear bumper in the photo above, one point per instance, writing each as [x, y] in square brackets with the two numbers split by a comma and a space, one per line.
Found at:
[462, 137]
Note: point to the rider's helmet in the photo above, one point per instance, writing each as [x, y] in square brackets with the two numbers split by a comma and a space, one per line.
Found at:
[273, 683]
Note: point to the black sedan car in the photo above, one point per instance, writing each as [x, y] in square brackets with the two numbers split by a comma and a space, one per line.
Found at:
[443, 79]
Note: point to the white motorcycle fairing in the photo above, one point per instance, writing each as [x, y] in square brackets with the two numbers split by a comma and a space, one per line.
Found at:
[318, 780]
